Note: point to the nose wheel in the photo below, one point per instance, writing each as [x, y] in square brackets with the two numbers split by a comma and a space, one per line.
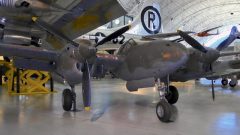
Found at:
[69, 99]
[163, 111]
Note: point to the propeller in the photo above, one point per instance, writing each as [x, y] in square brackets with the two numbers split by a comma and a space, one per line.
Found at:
[86, 85]
[191, 41]
[114, 35]
[195, 44]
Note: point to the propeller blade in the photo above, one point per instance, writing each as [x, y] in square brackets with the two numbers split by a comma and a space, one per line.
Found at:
[213, 91]
[45, 26]
[114, 35]
[191, 41]
[86, 86]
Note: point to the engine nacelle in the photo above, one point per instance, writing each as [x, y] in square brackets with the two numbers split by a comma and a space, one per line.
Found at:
[68, 68]
[20, 38]
[21, 35]
[85, 51]
[207, 58]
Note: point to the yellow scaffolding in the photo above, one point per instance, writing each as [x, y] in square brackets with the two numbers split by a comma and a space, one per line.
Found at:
[25, 82]
[2, 75]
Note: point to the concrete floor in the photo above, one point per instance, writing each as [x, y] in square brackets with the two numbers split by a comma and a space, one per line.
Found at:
[118, 112]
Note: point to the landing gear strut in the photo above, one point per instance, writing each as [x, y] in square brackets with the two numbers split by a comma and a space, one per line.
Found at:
[69, 99]
[168, 95]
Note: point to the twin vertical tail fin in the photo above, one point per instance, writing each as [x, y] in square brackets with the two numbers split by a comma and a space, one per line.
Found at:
[234, 34]
[148, 20]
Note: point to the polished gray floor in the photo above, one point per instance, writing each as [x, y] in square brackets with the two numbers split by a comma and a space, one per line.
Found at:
[118, 112]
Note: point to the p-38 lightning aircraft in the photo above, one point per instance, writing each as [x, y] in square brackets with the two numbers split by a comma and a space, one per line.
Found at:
[72, 64]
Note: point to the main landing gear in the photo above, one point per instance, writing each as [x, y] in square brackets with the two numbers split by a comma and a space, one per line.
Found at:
[233, 83]
[224, 81]
[168, 95]
[69, 99]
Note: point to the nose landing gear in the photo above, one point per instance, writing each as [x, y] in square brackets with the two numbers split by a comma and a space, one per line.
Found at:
[168, 95]
[69, 99]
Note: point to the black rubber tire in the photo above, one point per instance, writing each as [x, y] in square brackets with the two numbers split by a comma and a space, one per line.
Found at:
[163, 111]
[172, 96]
[232, 84]
[67, 99]
[224, 82]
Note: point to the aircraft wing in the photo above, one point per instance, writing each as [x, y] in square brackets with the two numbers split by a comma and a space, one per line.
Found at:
[10, 50]
[84, 17]
[30, 57]
[225, 68]
[227, 72]
[72, 18]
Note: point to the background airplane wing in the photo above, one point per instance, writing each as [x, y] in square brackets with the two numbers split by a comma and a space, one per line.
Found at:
[164, 35]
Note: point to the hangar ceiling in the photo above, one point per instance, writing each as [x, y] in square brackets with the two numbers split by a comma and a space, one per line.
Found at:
[195, 15]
